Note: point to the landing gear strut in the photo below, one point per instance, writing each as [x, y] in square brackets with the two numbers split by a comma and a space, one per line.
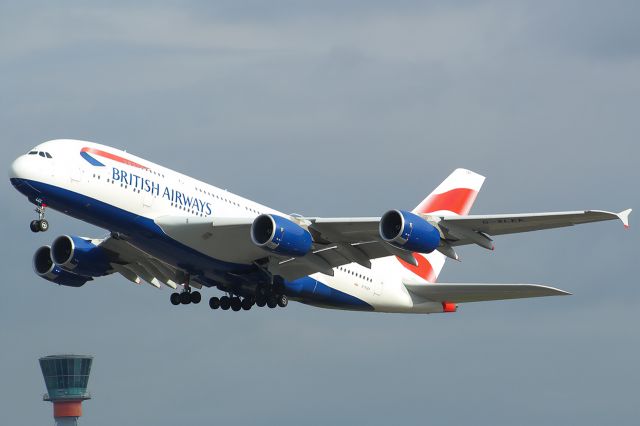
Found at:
[41, 224]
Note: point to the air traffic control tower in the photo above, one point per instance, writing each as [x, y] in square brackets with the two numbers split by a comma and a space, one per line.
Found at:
[66, 378]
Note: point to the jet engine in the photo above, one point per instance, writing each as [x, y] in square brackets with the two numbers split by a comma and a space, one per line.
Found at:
[280, 235]
[409, 231]
[45, 268]
[80, 256]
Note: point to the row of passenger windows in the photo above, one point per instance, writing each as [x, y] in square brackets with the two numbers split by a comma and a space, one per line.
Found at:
[349, 271]
[41, 154]
[226, 200]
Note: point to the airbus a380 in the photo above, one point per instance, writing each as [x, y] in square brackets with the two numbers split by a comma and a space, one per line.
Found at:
[168, 229]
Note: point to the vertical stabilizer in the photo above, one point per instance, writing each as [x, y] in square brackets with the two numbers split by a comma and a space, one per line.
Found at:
[454, 196]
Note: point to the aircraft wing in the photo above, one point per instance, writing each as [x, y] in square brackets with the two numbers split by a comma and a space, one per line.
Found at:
[464, 293]
[475, 229]
[137, 266]
[339, 241]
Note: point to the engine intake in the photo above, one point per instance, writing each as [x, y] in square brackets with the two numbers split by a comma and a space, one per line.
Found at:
[409, 231]
[280, 235]
[45, 268]
[82, 257]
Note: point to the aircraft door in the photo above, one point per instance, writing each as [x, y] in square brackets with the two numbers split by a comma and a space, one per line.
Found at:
[75, 173]
[377, 287]
[147, 200]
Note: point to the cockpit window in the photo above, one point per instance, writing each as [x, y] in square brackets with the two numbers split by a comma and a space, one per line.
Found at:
[33, 152]
[48, 155]
[41, 154]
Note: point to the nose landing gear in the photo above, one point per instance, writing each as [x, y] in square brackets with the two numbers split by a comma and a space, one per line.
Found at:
[41, 224]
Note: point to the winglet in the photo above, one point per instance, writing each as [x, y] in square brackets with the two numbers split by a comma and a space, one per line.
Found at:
[624, 217]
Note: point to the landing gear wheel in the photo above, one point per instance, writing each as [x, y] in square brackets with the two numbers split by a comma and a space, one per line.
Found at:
[278, 287]
[175, 299]
[43, 225]
[196, 297]
[272, 302]
[214, 303]
[225, 303]
[261, 301]
[283, 301]
[185, 298]
[247, 303]
[236, 304]
[34, 226]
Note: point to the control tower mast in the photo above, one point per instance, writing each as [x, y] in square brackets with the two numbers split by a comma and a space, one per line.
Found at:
[66, 378]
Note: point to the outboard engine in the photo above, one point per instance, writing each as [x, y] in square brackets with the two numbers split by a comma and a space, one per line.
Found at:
[280, 235]
[45, 268]
[80, 256]
[409, 231]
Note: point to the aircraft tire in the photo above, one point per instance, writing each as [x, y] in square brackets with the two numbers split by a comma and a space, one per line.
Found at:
[225, 303]
[283, 301]
[175, 299]
[214, 303]
[34, 226]
[236, 304]
[261, 301]
[272, 302]
[185, 298]
[247, 303]
[196, 297]
[43, 225]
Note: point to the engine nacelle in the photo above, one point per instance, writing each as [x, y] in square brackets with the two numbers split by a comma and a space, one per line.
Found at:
[45, 268]
[280, 235]
[79, 256]
[409, 231]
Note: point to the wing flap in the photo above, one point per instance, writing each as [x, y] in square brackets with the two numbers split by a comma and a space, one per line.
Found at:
[135, 265]
[465, 293]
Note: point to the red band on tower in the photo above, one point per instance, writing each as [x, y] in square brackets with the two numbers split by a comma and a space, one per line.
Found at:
[67, 409]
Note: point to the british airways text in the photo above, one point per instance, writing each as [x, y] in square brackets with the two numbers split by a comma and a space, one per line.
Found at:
[148, 185]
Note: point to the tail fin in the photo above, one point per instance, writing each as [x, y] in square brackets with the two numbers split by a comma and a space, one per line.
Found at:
[455, 195]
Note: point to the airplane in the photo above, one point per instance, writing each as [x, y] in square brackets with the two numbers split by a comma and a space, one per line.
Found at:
[170, 230]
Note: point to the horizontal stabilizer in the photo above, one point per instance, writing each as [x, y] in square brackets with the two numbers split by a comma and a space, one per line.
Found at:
[463, 293]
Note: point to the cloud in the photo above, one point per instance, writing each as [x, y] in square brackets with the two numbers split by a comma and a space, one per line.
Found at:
[336, 109]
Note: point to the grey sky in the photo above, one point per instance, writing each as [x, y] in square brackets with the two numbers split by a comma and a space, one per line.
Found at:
[339, 108]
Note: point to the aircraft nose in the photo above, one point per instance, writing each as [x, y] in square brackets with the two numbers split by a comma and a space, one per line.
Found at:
[18, 168]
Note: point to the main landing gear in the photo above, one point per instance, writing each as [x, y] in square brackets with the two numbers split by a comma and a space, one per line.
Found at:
[186, 297]
[41, 224]
[236, 304]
